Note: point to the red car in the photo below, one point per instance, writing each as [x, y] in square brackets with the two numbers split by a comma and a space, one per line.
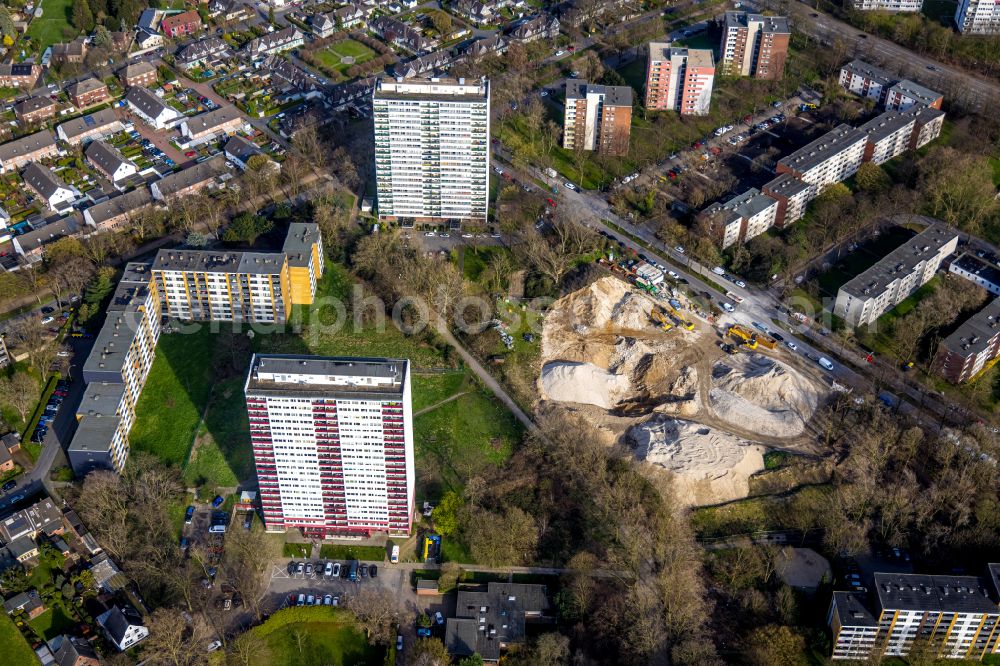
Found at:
[571, 49]
[697, 145]
[551, 202]
[190, 153]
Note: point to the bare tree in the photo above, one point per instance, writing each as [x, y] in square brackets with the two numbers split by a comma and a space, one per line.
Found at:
[248, 559]
[20, 391]
[28, 335]
[173, 641]
[248, 648]
[375, 609]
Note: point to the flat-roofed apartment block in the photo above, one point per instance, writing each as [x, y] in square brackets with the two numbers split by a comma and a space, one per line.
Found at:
[829, 159]
[985, 274]
[304, 249]
[887, 5]
[854, 628]
[754, 45]
[206, 285]
[742, 217]
[432, 145]
[597, 118]
[906, 94]
[927, 127]
[333, 443]
[889, 135]
[973, 347]
[679, 79]
[953, 617]
[978, 17]
[864, 298]
[865, 80]
[792, 195]
[115, 372]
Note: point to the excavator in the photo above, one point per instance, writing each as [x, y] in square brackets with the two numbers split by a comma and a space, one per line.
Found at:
[678, 318]
[744, 335]
[660, 319]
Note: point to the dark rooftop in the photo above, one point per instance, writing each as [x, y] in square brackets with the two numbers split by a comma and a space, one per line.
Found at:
[613, 95]
[962, 594]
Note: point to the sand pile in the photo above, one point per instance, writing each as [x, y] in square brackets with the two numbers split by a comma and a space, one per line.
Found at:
[584, 383]
[708, 465]
[760, 394]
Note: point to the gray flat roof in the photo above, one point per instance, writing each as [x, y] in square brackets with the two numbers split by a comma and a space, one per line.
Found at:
[299, 242]
[113, 342]
[393, 369]
[613, 95]
[748, 204]
[851, 610]
[487, 618]
[101, 399]
[886, 124]
[974, 336]
[385, 89]
[871, 72]
[218, 261]
[94, 434]
[914, 90]
[820, 150]
[900, 261]
[787, 185]
[984, 270]
[772, 24]
[960, 594]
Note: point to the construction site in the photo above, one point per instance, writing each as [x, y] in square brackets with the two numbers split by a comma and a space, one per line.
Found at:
[700, 399]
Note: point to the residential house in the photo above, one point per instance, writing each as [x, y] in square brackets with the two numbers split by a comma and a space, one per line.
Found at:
[149, 20]
[75, 651]
[213, 124]
[485, 46]
[23, 549]
[542, 26]
[74, 52]
[29, 602]
[190, 180]
[140, 73]
[32, 244]
[741, 218]
[153, 110]
[865, 80]
[324, 25]
[96, 125]
[239, 151]
[107, 575]
[148, 41]
[350, 16]
[275, 42]
[205, 52]
[108, 161]
[19, 76]
[6, 460]
[340, 96]
[972, 347]
[35, 109]
[88, 92]
[48, 186]
[488, 622]
[121, 40]
[298, 83]
[114, 214]
[123, 626]
[178, 25]
[477, 11]
[423, 65]
[396, 32]
[792, 195]
[15, 154]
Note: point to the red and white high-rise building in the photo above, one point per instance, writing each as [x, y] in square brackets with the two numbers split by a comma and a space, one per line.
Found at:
[679, 79]
[333, 443]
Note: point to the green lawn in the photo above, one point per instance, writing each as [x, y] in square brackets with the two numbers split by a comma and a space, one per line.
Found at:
[319, 636]
[432, 389]
[52, 623]
[330, 551]
[330, 58]
[174, 397]
[222, 453]
[299, 550]
[461, 439]
[48, 30]
[16, 651]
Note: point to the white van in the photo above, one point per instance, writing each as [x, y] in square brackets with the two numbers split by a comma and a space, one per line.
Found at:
[394, 557]
[825, 362]
[719, 270]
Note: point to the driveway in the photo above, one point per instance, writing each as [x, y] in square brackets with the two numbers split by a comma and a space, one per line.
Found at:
[160, 138]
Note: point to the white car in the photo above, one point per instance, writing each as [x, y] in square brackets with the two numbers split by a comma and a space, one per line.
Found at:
[63, 353]
[569, 186]
[399, 642]
[740, 283]
[674, 275]
[560, 53]
[48, 320]
[727, 307]
[661, 267]
[430, 234]
[825, 363]
[213, 646]
[544, 93]
[719, 270]
[679, 249]
[468, 235]
[498, 171]
[445, 235]
[791, 345]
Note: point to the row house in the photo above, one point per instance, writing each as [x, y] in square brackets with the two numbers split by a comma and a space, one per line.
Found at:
[190, 180]
[96, 125]
[424, 65]
[485, 46]
[340, 96]
[31, 245]
[350, 16]
[208, 126]
[396, 32]
[153, 110]
[324, 25]
[239, 151]
[543, 26]
[114, 214]
[293, 76]
[15, 154]
[88, 92]
[49, 187]
[19, 76]
[887, 5]
[203, 53]
[275, 42]
[35, 110]
[178, 25]
[741, 218]
[110, 162]
[140, 73]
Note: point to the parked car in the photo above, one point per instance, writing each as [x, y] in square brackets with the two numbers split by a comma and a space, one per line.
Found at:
[399, 642]
[189, 515]
[719, 270]
[328, 570]
[424, 632]
[373, 571]
[727, 307]
[309, 568]
[310, 600]
[825, 363]
[438, 618]
[336, 570]
[300, 568]
[10, 485]
[363, 570]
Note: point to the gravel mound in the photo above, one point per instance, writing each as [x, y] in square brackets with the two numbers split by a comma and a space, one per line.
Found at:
[583, 383]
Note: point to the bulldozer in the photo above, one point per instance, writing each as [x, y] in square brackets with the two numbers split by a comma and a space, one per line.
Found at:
[659, 318]
[678, 318]
[743, 335]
